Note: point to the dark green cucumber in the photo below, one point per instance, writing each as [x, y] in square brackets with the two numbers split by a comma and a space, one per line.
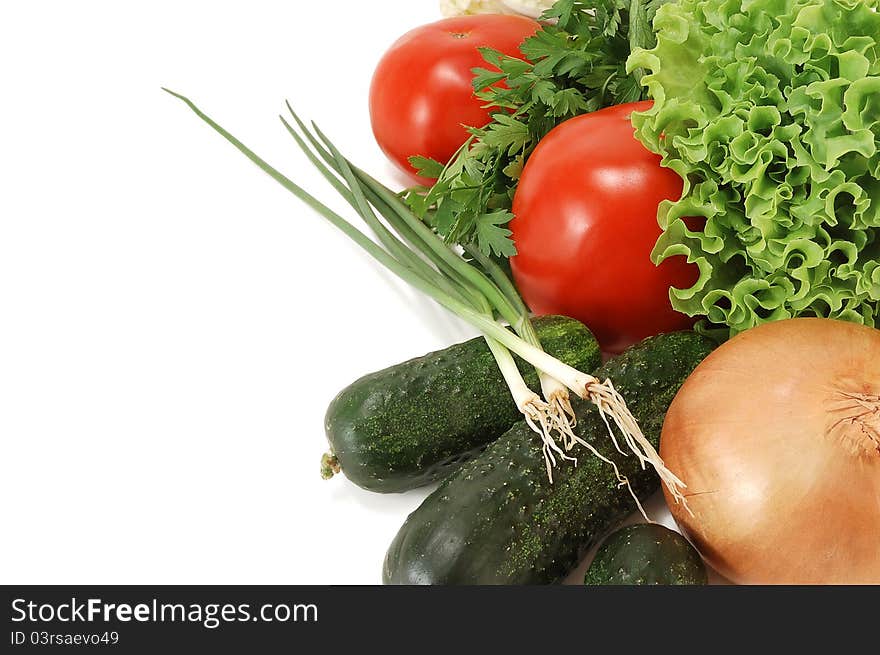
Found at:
[646, 554]
[414, 423]
[498, 520]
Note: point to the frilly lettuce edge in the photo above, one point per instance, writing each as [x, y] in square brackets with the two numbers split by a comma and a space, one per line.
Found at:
[769, 110]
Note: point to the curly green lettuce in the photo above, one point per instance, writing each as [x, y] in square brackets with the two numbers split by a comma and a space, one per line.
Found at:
[769, 110]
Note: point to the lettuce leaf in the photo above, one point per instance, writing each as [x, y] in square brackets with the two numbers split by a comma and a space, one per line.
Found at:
[769, 110]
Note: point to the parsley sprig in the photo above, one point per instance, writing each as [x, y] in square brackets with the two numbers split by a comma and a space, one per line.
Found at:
[572, 67]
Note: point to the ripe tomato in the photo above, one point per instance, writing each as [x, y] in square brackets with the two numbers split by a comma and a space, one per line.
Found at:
[585, 224]
[421, 96]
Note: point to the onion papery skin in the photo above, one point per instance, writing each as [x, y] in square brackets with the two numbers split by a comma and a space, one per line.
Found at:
[777, 436]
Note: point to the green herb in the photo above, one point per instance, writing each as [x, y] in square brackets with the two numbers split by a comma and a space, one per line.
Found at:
[770, 112]
[576, 66]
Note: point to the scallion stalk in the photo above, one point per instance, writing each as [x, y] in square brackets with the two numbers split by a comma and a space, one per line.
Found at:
[417, 255]
[560, 416]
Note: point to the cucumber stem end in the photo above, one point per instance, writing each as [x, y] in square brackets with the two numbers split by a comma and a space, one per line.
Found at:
[329, 465]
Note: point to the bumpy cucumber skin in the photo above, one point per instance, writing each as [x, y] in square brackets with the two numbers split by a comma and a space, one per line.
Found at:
[646, 554]
[498, 520]
[414, 423]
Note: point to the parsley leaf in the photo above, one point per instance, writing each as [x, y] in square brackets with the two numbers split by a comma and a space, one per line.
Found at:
[574, 66]
[506, 134]
[491, 238]
[426, 166]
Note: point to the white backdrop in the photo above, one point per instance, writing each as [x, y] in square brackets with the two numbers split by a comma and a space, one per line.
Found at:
[173, 322]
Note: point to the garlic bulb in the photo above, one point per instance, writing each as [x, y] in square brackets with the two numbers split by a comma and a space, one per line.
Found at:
[469, 7]
[531, 8]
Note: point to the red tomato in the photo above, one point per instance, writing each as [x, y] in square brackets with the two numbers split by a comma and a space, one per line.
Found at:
[421, 95]
[585, 224]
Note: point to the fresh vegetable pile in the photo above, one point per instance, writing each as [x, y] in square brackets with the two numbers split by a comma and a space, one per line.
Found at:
[602, 179]
[573, 66]
[498, 520]
[770, 112]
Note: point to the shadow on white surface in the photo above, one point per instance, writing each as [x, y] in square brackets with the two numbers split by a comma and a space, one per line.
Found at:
[349, 493]
[446, 328]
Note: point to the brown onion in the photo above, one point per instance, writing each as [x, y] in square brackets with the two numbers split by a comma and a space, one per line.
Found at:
[777, 436]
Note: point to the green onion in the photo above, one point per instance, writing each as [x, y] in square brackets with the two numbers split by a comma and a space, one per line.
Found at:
[416, 254]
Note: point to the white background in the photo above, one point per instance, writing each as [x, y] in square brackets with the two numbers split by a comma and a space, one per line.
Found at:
[173, 322]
